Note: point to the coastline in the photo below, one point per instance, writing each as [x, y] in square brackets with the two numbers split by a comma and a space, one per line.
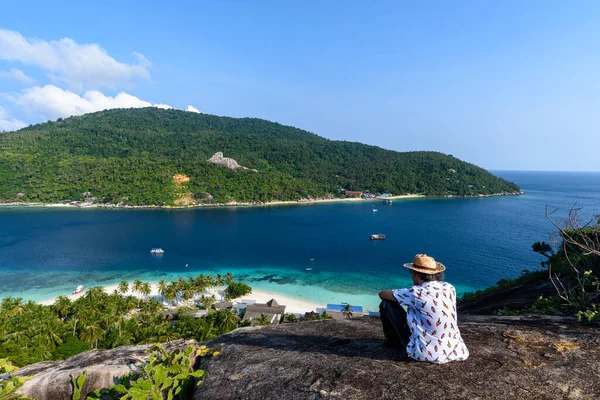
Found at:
[251, 204]
[293, 305]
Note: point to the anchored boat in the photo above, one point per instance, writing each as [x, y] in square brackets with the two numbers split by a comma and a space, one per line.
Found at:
[378, 236]
[156, 250]
[78, 290]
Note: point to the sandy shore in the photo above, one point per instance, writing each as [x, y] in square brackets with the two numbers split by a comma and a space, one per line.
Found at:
[293, 305]
[230, 204]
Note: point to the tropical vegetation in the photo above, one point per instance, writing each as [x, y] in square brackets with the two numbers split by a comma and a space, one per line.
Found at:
[31, 332]
[133, 156]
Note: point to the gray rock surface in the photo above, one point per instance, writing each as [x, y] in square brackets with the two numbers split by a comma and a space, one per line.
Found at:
[511, 358]
[52, 380]
[219, 159]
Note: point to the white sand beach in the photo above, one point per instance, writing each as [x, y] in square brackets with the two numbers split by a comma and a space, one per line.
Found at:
[295, 306]
[230, 204]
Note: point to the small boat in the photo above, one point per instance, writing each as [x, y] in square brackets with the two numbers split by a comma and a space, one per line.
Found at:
[309, 269]
[374, 210]
[156, 250]
[378, 236]
[78, 290]
[387, 201]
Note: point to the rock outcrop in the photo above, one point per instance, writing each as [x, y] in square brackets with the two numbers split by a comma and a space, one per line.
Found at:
[512, 358]
[52, 380]
[219, 159]
[514, 298]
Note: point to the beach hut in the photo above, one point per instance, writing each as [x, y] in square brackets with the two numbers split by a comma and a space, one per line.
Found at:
[271, 309]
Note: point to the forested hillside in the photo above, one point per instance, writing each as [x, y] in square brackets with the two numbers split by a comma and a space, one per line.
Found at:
[130, 156]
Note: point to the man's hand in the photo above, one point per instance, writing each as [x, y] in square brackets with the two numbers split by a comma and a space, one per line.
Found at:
[387, 295]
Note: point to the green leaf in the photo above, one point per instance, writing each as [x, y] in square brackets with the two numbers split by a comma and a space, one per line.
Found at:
[160, 374]
[168, 382]
[120, 388]
[81, 380]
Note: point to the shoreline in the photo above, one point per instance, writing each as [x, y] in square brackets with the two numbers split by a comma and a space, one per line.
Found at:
[293, 305]
[252, 204]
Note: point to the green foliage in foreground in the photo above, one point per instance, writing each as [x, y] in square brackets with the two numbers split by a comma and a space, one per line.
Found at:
[130, 156]
[9, 386]
[166, 376]
[31, 332]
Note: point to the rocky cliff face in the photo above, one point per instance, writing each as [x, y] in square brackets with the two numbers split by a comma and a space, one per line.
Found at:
[219, 159]
[511, 358]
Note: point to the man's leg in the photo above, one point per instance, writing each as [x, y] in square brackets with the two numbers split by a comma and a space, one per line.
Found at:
[395, 326]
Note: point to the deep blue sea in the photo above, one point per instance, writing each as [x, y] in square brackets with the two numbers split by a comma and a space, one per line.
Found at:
[47, 251]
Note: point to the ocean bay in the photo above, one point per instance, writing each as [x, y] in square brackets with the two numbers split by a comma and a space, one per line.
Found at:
[46, 252]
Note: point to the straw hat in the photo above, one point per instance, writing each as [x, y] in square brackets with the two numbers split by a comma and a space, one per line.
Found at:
[425, 264]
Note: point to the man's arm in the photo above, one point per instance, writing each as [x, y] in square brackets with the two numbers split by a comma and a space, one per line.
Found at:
[387, 295]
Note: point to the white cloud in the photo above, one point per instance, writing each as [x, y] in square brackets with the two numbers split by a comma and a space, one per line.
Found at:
[7, 124]
[193, 109]
[16, 75]
[79, 66]
[54, 102]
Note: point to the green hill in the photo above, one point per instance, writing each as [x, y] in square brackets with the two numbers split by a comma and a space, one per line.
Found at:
[131, 156]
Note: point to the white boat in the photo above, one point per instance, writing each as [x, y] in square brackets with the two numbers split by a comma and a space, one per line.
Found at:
[374, 210]
[156, 250]
[78, 290]
[309, 269]
[378, 236]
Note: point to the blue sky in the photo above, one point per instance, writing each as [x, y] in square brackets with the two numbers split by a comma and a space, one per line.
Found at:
[504, 85]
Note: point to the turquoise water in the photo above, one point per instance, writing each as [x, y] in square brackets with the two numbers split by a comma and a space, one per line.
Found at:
[45, 252]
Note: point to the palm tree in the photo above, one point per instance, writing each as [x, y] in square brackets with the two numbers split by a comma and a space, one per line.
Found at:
[62, 305]
[95, 294]
[228, 278]
[263, 319]
[53, 331]
[137, 285]
[123, 287]
[227, 320]
[207, 301]
[209, 281]
[11, 307]
[347, 311]
[162, 288]
[218, 280]
[91, 333]
[145, 289]
[170, 294]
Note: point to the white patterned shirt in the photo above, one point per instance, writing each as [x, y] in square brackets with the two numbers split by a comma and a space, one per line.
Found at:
[431, 315]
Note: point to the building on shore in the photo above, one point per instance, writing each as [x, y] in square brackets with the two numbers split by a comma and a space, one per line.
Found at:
[336, 311]
[271, 309]
[350, 193]
[225, 305]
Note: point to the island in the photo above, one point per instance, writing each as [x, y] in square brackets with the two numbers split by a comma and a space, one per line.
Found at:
[171, 158]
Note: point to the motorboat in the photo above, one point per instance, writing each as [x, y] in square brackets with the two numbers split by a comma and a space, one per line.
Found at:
[157, 250]
[78, 290]
[378, 236]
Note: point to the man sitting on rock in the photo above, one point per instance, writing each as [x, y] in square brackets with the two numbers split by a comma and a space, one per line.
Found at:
[429, 332]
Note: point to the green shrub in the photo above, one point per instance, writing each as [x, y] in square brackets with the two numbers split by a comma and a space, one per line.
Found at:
[70, 347]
